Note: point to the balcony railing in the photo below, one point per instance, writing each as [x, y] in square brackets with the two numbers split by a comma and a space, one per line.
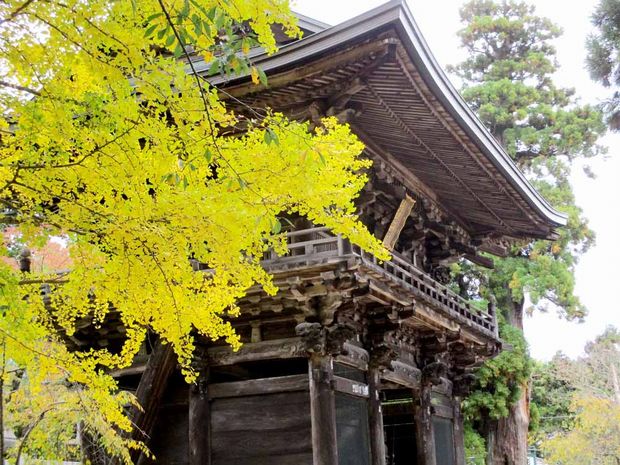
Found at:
[317, 246]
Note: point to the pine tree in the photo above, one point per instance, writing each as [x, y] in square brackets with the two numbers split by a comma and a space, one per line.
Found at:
[603, 60]
[508, 82]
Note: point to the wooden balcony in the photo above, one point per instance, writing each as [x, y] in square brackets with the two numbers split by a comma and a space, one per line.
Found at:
[316, 247]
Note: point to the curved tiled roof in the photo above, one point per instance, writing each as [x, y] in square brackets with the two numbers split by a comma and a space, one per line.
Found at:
[411, 111]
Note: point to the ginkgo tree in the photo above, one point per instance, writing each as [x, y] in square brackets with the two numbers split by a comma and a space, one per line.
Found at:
[111, 142]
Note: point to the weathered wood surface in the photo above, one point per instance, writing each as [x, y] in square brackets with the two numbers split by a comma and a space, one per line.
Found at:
[403, 374]
[425, 435]
[403, 115]
[459, 435]
[262, 429]
[160, 366]
[170, 437]
[262, 386]
[323, 411]
[253, 351]
[443, 411]
[398, 279]
[398, 222]
[354, 356]
[375, 420]
[348, 386]
[199, 422]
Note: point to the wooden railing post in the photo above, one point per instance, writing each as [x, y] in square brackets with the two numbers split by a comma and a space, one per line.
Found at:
[493, 315]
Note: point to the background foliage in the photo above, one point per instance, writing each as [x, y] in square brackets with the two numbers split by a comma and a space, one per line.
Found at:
[593, 434]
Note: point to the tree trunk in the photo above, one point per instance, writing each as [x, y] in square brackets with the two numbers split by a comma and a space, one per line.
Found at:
[507, 437]
[615, 383]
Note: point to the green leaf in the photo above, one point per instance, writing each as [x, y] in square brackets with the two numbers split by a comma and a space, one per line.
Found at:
[262, 76]
[154, 16]
[179, 50]
[150, 30]
[271, 137]
[206, 28]
[276, 226]
[212, 13]
[184, 13]
[170, 40]
[200, 7]
[163, 32]
[197, 22]
[219, 19]
[214, 68]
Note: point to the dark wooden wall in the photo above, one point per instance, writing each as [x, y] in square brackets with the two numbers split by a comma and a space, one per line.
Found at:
[262, 429]
[169, 442]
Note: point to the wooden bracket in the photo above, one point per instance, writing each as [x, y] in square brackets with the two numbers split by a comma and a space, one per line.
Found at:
[398, 222]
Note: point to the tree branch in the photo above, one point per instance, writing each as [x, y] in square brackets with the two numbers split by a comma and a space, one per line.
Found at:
[17, 12]
[20, 88]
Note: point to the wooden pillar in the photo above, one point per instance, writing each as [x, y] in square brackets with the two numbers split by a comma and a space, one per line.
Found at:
[459, 436]
[425, 435]
[199, 422]
[375, 418]
[322, 410]
[150, 393]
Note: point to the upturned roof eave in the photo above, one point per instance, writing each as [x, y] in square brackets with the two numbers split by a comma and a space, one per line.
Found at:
[397, 14]
[467, 119]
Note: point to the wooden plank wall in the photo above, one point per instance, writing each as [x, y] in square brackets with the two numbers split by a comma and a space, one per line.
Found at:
[169, 442]
[262, 429]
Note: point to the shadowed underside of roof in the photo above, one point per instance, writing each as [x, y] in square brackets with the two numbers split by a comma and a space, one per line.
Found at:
[406, 109]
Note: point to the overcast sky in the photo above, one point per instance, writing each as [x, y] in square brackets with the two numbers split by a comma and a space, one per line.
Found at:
[597, 275]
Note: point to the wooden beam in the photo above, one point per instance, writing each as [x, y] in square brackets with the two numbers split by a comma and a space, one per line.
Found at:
[199, 422]
[253, 351]
[315, 69]
[323, 410]
[398, 222]
[494, 249]
[403, 374]
[150, 392]
[350, 387]
[375, 419]
[425, 435]
[479, 260]
[259, 386]
[459, 435]
[339, 100]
